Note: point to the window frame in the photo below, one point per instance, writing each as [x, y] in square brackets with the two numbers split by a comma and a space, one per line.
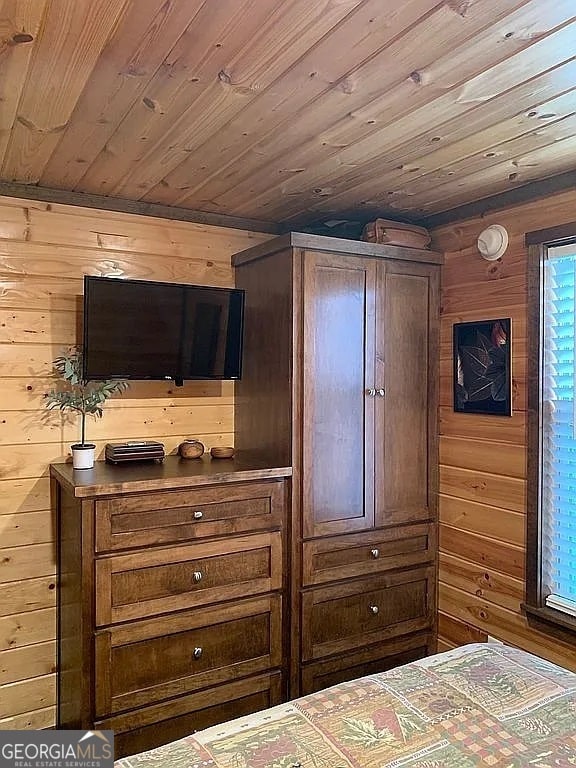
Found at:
[543, 617]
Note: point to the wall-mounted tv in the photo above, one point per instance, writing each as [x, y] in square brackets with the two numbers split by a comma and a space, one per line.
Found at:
[138, 329]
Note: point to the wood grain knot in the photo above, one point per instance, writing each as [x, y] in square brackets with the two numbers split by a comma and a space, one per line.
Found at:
[37, 129]
[458, 6]
[152, 104]
[22, 37]
[347, 86]
[494, 271]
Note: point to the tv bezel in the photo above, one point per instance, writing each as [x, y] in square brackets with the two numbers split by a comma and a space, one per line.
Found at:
[177, 380]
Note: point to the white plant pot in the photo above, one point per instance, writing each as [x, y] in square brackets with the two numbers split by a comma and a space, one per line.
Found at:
[83, 455]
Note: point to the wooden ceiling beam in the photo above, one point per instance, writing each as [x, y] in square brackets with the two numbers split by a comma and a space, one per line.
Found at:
[175, 87]
[21, 22]
[258, 59]
[509, 155]
[380, 92]
[70, 41]
[462, 141]
[549, 160]
[150, 30]
[86, 200]
[331, 66]
[535, 190]
[479, 128]
[548, 52]
[247, 112]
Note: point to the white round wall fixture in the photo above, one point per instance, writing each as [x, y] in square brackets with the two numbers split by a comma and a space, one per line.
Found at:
[492, 242]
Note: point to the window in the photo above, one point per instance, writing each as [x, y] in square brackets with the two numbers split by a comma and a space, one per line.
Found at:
[551, 540]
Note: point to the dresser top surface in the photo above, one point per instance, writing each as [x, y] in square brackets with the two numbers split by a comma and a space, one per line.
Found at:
[131, 477]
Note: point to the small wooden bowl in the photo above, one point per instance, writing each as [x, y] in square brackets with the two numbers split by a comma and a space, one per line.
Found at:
[222, 453]
[191, 449]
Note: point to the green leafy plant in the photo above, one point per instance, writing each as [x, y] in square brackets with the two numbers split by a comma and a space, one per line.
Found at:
[76, 394]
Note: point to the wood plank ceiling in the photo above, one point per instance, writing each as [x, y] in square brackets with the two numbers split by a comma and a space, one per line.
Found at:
[288, 111]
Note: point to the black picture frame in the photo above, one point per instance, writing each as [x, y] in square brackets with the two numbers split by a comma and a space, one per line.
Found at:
[482, 374]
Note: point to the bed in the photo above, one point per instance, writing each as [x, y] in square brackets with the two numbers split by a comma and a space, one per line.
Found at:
[478, 705]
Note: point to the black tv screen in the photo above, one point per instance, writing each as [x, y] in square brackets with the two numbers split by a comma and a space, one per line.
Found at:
[137, 329]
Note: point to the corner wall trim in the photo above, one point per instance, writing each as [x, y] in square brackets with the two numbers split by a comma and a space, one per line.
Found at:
[87, 200]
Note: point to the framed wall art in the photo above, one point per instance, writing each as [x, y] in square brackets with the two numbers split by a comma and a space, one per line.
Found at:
[482, 375]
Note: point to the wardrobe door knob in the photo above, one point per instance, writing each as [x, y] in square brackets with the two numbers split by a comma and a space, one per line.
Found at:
[371, 392]
[375, 553]
[374, 609]
[197, 653]
[381, 392]
[197, 576]
[198, 514]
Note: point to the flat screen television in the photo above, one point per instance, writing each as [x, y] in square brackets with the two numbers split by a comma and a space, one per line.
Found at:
[138, 329]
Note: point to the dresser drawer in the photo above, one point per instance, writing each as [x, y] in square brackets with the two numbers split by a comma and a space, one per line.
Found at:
[353, 615]
[157, 581]
[361, 554]
[149, 661]
[150, 727]
[137, 520]
[368, 661]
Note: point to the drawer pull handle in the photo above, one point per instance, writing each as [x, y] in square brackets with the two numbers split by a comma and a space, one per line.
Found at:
[375, 553]
[374, 609]
[197, 653]
[197, 576]
[198, 514]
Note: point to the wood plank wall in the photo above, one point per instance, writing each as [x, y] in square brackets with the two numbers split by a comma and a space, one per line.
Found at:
[483, 458]
[44, 251]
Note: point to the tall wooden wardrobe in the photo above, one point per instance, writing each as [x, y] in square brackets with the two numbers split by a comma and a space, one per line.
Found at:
[340, 381]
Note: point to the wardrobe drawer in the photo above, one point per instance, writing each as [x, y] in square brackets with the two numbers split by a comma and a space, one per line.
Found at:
[137, 520]
[156, 581]
[352, 615]
[150, 661]
[368, 661]
[361, 554]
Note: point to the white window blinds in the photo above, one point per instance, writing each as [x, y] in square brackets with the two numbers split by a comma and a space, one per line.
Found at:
[558, 442]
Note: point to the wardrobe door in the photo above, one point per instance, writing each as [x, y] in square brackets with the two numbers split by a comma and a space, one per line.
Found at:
[338, 393]
[406, 378]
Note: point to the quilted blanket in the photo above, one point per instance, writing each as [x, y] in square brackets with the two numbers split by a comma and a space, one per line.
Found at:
[479, 705]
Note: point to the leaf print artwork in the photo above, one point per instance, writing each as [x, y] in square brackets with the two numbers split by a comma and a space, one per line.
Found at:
[482, 375]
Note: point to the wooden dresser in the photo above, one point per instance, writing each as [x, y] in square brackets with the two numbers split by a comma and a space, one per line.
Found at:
[340, 379]
[171, 611]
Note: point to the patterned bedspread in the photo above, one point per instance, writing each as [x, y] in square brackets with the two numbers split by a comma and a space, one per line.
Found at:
[479, 705]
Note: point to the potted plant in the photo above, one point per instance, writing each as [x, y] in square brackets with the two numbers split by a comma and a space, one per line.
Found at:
[84, 397]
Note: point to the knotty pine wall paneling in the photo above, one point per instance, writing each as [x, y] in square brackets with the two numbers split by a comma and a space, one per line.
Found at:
[483, 458]
[44, 252]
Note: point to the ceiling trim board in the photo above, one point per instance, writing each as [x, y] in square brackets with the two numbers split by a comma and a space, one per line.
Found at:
[536, 189]
[137, 207]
